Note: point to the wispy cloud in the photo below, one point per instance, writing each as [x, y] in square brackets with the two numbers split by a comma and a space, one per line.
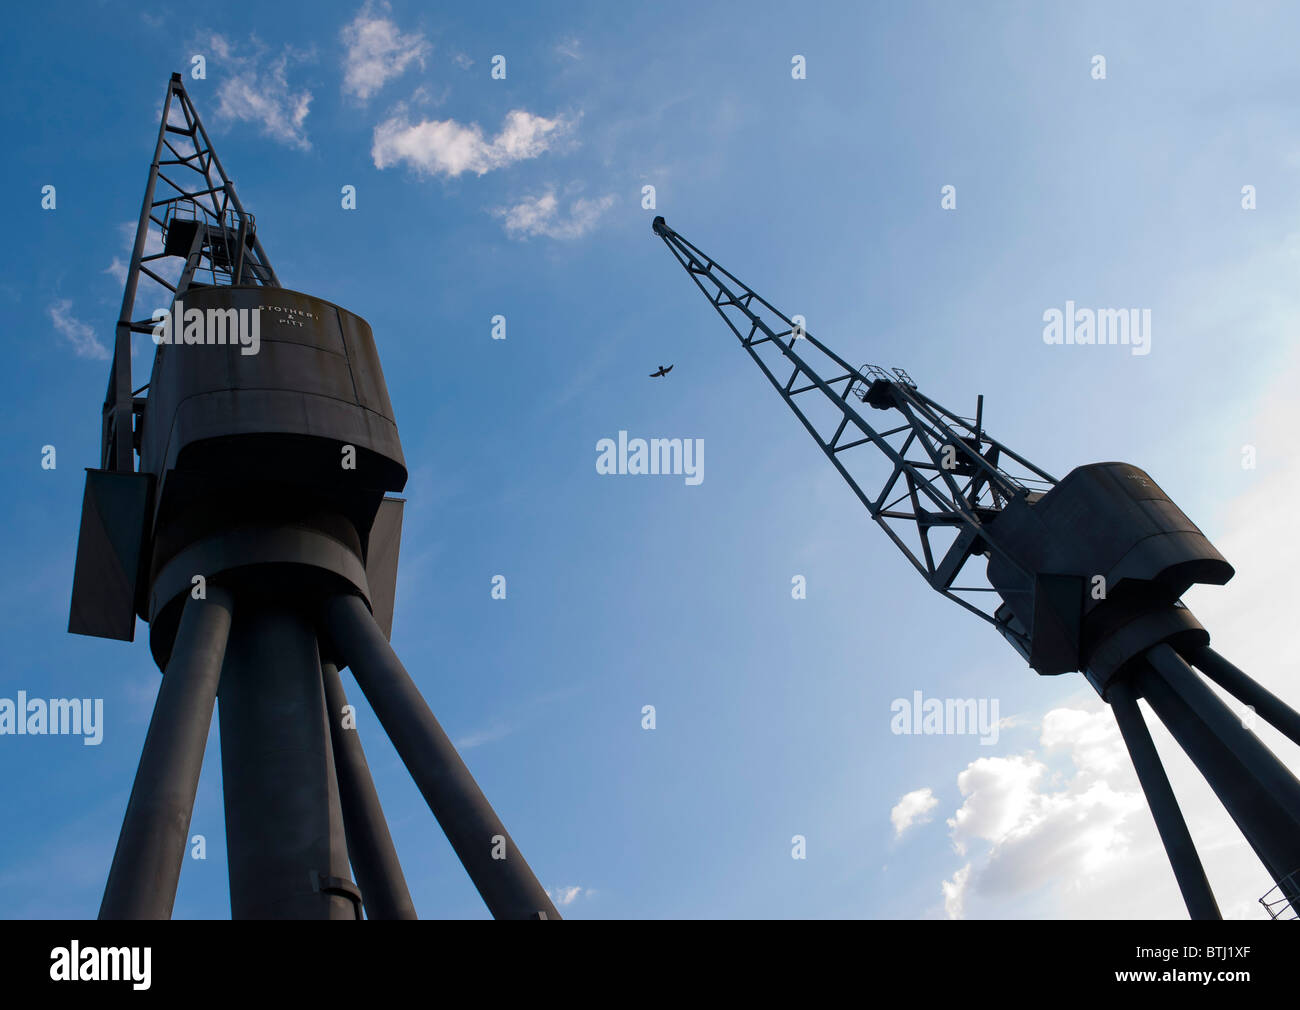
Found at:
[570, 48]
[376, 51]
[446, 147]
[916, 807]
[568, 895]
[82, 338]
[497, 731]
[541, 215]
[149, 292]
[256, 90]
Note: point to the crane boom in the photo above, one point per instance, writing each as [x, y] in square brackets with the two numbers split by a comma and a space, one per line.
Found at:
[194, 214]
[931, 478]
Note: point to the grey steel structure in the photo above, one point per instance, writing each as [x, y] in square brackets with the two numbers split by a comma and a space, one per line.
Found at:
[258, 539]
[1081, 574]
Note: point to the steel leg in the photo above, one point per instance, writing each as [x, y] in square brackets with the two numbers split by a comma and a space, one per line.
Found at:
[1177, 840]
[284, 825]
[370, 846]
[155, 832]
[489, 855]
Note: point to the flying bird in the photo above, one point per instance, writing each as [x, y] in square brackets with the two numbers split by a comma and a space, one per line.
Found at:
[662, 371]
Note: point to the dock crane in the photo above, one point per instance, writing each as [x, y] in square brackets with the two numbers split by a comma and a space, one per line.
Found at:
[1081, 574]
[242, 509]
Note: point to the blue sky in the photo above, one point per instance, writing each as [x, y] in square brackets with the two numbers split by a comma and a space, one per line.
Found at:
[522, 197]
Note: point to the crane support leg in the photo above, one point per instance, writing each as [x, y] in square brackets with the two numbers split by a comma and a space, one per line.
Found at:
[495, 864]
[370, 845]
[285, 839]
[1177, 840]
[1269, 706]
[1258, 791]
[151, 847]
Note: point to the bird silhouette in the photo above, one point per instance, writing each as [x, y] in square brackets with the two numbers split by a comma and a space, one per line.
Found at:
[662, 371]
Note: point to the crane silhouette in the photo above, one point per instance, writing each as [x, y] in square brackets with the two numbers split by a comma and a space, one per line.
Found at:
[1081, 574]
[256, 608]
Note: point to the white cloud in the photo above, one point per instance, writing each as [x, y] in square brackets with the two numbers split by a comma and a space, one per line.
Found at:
[1081, 843]
[568, 895]
[152, 239]
[256, 90]
[954, 893]
[1035, 834]
[462, 60]
[423, 96]
[1092, 738]
[446, 147]
[914, 808]
[1027, 829]
[376, 51]
[541, 216]
[570, 48]
[84, 342]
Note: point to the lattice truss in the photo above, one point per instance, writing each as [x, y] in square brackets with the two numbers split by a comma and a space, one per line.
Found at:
[931, 478]
[192, 230]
